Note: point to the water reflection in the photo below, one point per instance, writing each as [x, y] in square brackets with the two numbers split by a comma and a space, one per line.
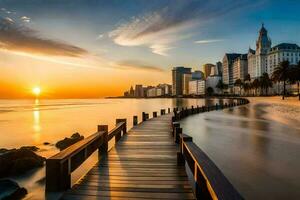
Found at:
[36, 121]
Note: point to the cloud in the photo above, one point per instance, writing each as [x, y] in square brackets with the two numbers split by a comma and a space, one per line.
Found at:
[14, 37]
[99, 37]
[25, 19]
[160, 30]
[136, 65]
[208, 41]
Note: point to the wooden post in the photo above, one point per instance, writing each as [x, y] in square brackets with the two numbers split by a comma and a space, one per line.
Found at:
[175, 125]
[124, 130]
[147, 116]
[192, 110]
[144, 116]
[169, 110]
[177, 133]
[58, 175]
[180, 157]
[154, 114]
[102, 150]
[162, 111]
[216, 106]
[135, 120]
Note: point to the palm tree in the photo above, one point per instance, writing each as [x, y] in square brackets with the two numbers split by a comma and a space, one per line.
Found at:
[281, 74]
[221, 86]
[265, 82]
[238, 83]
[247, 83]
[255, 85]
[294, 76]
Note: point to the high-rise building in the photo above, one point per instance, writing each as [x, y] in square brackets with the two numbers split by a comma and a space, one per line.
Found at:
[240, 67]
[219, 68]
[258, 59]
[197, 87]
[177, 79]
[227, 65]
[131, 92]
[207, 69]
[185, 83]
[138, 92]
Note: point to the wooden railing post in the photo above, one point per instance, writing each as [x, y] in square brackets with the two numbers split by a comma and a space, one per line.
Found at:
[154, 114]
[135, 120]
[147, 116]
[124, 130]
[144, 116]
[169, 110]
[162, 111]
[174, 126]
[177, 133]
[58, 175]
[180, 156]
[103, 148]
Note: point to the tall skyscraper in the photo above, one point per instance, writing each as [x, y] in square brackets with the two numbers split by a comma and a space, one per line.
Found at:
[258, 59]
[240, 68]
[139, 91]
[228, 68]
[219, 68]
[177, 79]
[207, 69]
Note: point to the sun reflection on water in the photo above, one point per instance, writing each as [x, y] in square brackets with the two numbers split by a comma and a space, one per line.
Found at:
[36, 121]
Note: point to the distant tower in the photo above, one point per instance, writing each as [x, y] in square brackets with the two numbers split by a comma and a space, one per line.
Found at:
[263, 46]
[263, 43]
[131, 92]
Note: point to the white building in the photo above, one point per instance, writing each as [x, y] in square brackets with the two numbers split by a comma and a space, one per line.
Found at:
[282, 52]
[240, 67]
[197, 87]
[227, 65]
[266, 58]
[151, 92]
[212, 81]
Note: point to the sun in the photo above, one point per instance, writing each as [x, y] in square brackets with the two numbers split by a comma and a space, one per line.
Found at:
[36, 91]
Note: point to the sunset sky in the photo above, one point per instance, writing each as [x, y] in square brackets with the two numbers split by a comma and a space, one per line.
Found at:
[97, 48]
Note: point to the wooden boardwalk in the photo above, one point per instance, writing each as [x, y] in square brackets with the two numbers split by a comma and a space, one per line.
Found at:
[142, 165]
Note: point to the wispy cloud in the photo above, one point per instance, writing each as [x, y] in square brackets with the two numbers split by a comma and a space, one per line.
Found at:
[14, 37]
[136, 65]
[160, 30]
[208, 41]
[25, 19]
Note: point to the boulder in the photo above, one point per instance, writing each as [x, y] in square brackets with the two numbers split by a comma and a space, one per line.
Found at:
[65, 143]
[31, 148]
[19, 161]
[10, 190]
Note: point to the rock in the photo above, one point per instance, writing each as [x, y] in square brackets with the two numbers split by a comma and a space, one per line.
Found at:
[19, 161]
[31, 148]
[46, 143]
[63, 144]
[10, 190]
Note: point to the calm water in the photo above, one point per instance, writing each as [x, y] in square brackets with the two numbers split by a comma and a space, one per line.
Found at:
[29, 122]
[257, 148]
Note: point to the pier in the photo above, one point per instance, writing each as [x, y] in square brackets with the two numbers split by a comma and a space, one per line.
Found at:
[153, 160]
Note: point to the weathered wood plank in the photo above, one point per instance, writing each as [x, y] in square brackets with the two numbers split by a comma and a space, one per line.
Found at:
[142, 165]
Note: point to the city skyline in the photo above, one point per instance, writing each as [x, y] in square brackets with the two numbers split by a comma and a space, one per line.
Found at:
[78, 49]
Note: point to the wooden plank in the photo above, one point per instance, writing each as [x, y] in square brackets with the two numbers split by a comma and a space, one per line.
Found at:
[142, 165]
